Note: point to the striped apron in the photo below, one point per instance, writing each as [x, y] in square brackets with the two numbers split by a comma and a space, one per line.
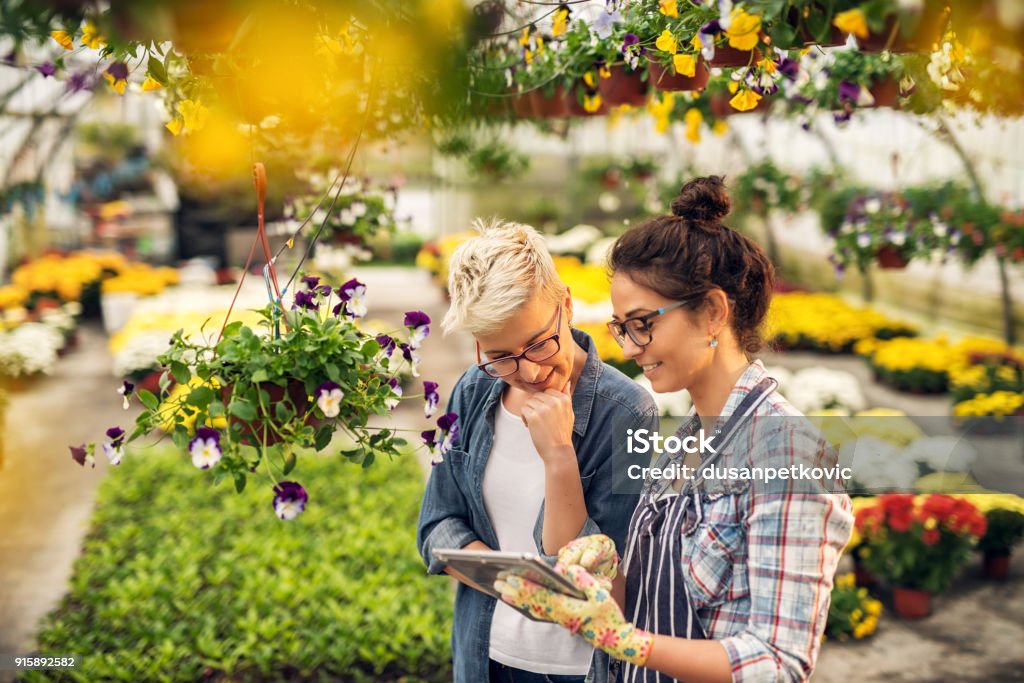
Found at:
[657, 599]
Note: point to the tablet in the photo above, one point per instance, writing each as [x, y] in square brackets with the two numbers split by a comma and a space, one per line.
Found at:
[483, 566]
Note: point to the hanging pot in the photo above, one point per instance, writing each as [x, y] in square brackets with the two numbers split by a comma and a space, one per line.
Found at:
[727, 56]
[996, 565]
[522, 106]
[554, 106]
[663, 78]
[260, 431]
[623, 86]
[886, 92]
[911, 603]
[890, 258]
[922, 38]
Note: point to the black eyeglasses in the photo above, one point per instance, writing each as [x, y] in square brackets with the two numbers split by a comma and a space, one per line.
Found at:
[535, 353]
[639, 329]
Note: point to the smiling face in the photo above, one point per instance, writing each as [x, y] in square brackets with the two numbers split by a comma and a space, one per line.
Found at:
[678, 354]
[533, 321]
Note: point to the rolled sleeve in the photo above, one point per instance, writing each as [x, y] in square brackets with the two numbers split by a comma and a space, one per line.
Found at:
[448, 533]
[794, 542]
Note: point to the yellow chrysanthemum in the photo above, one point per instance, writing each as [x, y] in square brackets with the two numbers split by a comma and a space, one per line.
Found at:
[852, 21]
[743, 29]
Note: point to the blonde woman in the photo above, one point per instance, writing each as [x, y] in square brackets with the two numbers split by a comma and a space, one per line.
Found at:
[531, 469]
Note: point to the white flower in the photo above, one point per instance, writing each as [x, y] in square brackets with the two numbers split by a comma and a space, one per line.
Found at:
[205, 453]
[113, 453]
[330, 402]
[820, 388]
[396, 396]
[898, 238]
[358, 209]
[942, 453]
[356, 305]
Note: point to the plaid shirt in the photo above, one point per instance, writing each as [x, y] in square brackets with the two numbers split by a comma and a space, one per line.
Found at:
[759, 563]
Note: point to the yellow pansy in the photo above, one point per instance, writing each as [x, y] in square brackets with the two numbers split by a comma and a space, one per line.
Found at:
[685, 64]
[118, 84]
[64, 39]
[852, 21]
[745, 100]
[150, 84]
[743, 29]
[768, 65]
[560, 22]
[524, 37]
[528, 57]
[91, 37]
[604, 72]
[589, 79]
[591, 103]
[696, 42]
[175, 125]
[669, 8]
[193, 113]
[666, 41]
[693, 120]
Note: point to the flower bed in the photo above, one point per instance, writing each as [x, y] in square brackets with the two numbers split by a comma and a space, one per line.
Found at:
[178, 583]
[799, 321]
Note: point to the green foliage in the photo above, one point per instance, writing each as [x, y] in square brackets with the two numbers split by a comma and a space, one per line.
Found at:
[496, 160]
[178, 582]
[1005, 529]
[764, 186]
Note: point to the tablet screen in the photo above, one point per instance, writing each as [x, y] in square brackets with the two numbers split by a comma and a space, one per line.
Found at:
[483, 567]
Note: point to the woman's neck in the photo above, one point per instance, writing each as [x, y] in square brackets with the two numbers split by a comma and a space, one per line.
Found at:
[711, 391]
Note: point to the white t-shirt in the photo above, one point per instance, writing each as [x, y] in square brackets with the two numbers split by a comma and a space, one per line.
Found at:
[513, 489]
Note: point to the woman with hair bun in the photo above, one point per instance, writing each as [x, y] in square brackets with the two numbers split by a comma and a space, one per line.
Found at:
[727, 579]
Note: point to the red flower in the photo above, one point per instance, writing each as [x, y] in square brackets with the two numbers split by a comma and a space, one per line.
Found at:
[931, 536]
[900, 521]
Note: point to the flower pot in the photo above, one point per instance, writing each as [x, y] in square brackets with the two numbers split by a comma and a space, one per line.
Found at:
[995, 565]
[886, 93]
[911, 603]
[890, 258]
[555, 106]
[726, 57]
[664, 79]
[623, 86]
[923, 37]
[522, 106]
[259, 431]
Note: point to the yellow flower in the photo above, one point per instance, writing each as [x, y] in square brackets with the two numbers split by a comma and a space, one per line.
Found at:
[175, 125]
[745, 100]
[524, 37]
[693, 120]
[852, 21]
[696, 42]
[64, 39]
[856, 615]
[720, 128]
[528, 57]
[91, 37]
[194, 114]
[591, 103]
[604, 72]
[560, 22]
[589, 79]
[666, 41]
[768, 65]
[669, 8]
[743, 29]
[150, 84]
[118, 84]
[685, 64]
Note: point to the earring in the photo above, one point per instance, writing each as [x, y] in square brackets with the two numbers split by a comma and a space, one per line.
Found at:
[714, 341]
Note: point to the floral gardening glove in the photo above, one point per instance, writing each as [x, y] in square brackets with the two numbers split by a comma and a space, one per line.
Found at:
[595, 553]
[598, 618]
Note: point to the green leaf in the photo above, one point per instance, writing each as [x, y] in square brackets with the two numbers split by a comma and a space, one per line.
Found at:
[216, 409]
[234, 328]
[180, 438]
[180, 372]
[783, 35]
[239, 481]
[368, 460]
[289, 463]
[156, 69]
[148, 399]
[201, 397]
[323, 437]
[242, 409]
[260, 376]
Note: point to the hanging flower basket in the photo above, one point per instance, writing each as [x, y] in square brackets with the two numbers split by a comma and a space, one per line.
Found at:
[264, 428]
[911, 603]
[553, 106]
[890, 258]
[663, 78]
[623, 86]
[727, 57]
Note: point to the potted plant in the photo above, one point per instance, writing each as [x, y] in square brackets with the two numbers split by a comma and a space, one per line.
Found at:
[256, 396]
[852, 613]
[856, 80]
[357, 214]
[1005, 529]
[917, 545]
[763, 187]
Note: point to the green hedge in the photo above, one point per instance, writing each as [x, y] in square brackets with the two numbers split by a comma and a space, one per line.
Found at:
[179, 581]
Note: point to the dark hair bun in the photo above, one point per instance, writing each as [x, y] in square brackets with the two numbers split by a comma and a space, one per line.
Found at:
[702, 200]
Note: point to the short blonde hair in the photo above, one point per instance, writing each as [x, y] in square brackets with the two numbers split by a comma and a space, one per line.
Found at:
[492, 275]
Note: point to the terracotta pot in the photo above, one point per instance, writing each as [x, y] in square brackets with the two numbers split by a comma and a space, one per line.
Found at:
[623, 86]
[522, 106]
[886, 92]
[889, 258]
[664, 79]
[555, 106]
[726, 56]
[911, 603]
[151, 383]
[995, 565]
[259, 432]
[923, 39]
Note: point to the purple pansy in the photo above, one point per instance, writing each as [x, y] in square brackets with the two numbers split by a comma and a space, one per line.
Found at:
[328, 398]
[47, 69]
[118, 71]
[413, 358]
[79, 81]
[311, 281]
[387, 344]
[418, 323]
[429, 437]
[114, 448]
[306, 300]
[430, 399]
[353, 299]
[205, 448]
[289, 500]
[126, 390]
[82, 454]
[396, 394]
[848, 91]
[448, 428]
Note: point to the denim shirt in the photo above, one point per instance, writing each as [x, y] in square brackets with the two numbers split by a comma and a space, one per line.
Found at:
[453, 512]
